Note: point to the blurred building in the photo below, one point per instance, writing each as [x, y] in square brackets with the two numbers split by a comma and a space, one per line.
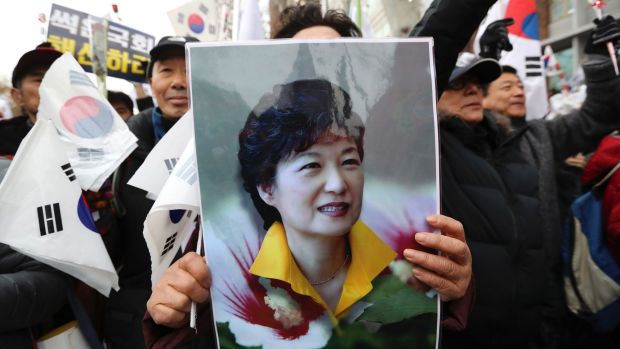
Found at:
[565, 26]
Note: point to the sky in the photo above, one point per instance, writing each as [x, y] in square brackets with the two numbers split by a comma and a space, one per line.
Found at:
[20, 29]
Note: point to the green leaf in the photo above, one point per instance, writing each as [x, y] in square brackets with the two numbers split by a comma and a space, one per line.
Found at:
[355, 336]
[227, 338]
[394, 301]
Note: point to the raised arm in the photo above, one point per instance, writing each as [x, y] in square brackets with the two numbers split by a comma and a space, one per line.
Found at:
[451, 23]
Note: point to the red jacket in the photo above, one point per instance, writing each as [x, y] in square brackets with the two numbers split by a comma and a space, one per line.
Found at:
[604, 159]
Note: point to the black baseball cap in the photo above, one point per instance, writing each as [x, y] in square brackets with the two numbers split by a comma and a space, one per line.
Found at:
[485, 69]
[165, 43]
[42, 56]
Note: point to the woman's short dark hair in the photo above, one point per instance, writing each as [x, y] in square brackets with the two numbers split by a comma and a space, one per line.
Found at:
[297, 18]
[290, 120]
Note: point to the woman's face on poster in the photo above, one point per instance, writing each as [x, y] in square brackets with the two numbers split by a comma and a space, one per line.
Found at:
[319, 191]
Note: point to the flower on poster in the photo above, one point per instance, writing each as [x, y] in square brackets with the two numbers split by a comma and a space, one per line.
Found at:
[253, 125]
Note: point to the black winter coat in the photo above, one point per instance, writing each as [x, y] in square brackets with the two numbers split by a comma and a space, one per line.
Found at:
[12, 131]
[30, 292]
[500, 188]
[492, 190]
[125, 308]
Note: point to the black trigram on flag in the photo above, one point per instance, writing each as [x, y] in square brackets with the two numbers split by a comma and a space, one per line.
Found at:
[169, 243]
[533, 66]
[87, 154]
[50, 220]
[203, 9]
[79, 78]
[188, 171]
[68, 171]
[181, 18]
[170, 163]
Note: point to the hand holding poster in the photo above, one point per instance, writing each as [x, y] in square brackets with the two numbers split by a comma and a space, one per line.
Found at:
[317, 164]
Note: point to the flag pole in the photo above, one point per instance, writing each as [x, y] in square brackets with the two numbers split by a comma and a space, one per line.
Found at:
[192, 312]
[236, 17]
[597, 6]
[359, 14]
[99, 48]
[43, 20]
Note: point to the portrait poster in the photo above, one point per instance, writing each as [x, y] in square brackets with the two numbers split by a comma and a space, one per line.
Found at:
[317, 163]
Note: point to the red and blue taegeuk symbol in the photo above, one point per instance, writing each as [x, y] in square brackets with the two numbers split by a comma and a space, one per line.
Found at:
[195, 23]
[526, 18]
[86, 117]
[84, 214]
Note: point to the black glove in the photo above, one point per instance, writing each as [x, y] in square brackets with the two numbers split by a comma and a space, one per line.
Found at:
[606, 30]
[494, 40]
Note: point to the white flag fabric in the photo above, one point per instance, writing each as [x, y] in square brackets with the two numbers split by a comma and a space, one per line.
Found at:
[174, 214]
[251, 24]
[160, 162]
[526, 54]
[197, 18]
[44, 215]
[94, 137]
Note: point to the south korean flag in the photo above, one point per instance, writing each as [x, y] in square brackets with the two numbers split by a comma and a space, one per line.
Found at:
[93, 136]
[174, 216]
[45, 216]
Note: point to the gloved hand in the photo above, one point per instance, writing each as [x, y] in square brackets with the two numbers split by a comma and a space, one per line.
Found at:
[606, 30]
[494, 40]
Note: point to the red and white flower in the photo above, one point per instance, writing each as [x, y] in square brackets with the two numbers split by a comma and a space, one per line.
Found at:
[259, 311]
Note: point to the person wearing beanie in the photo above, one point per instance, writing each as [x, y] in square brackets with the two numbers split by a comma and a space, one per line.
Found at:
[26, 78]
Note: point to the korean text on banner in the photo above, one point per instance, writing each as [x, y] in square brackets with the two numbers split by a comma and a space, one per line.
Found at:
[127, 49]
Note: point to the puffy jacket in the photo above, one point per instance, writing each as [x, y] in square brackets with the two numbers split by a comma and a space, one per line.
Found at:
[606, 157]
[492, 190]
[504, 191]
[12, 131]
[30, 292]
[546, 144]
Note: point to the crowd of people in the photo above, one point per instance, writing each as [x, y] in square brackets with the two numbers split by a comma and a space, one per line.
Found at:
[498, 272]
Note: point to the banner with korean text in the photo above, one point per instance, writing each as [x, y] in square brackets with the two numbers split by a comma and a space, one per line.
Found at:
[127, 52]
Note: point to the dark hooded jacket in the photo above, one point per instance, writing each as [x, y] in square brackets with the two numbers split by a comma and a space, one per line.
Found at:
[125, 308]
[30, 292]
[489, 186]
[12, 132]
[606, 157]
[502, 187]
